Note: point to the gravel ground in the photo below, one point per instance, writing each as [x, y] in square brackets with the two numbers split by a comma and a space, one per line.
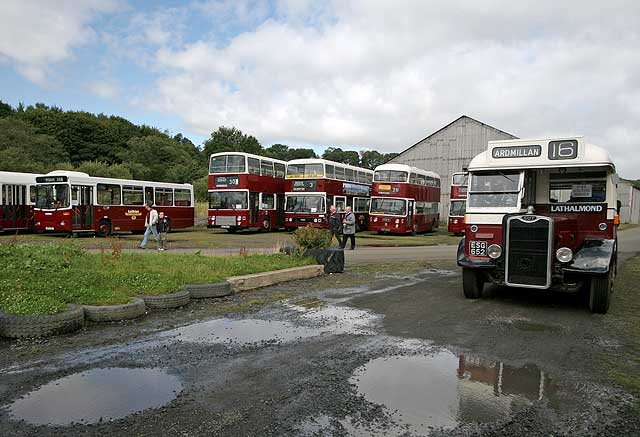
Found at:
[379, 350]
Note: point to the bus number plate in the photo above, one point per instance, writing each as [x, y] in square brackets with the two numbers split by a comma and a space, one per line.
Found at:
[48, 228]
[477, 248]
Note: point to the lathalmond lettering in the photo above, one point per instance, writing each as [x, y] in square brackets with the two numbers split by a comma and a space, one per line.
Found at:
[577, 208]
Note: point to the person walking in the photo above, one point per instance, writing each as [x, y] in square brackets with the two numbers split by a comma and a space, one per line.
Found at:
[150, 222]
[163, 230]
[349, 228]
[335, 226]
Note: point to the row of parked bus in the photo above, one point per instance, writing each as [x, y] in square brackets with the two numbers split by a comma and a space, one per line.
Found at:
[74, 202]
[249, 191]
[245, 192]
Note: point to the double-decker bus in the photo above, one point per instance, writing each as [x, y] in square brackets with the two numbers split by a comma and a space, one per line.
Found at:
[457, 202]
[245, 192]
[313, 185]
[405, 200]
[16, 200]
[74, 202]
[542, 214]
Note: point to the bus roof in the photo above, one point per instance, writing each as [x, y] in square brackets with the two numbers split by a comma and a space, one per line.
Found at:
[408, 169]
[541, 153]
[11, 177]
[79, 177]
[326, 161]
[248, 155]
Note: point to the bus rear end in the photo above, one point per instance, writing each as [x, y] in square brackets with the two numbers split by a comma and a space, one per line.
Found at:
[458, 202]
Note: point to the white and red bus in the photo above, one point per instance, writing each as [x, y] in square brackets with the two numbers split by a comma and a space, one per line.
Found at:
[245, 192]
[74, 202]
[542, 214]
[17, 193]
[313, 185]
[405, 200]
[458, 202]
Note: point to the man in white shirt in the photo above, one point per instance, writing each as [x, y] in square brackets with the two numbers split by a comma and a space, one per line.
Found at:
[150, 222]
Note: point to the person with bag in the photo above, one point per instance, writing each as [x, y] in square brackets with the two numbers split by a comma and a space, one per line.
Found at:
[335, 226]
[150, 222]
[348, 228]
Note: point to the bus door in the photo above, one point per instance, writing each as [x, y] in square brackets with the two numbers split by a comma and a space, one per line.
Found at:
[82, 207]
[280, 209]
[409, 213]
[14, 206]
[253, 208]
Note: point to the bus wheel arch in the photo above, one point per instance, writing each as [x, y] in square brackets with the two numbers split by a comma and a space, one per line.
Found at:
[104, 227]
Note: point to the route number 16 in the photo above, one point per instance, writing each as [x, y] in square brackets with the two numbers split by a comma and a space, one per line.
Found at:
[567, 149]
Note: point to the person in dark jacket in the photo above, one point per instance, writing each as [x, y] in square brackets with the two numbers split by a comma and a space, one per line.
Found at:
[349, 228]
[163, 229]
[335, 225]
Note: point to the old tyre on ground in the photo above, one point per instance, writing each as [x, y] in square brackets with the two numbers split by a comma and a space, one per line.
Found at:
[41, 325]
[109, 313]
[204, 291]
[600, 292]
[163, 301]
[472, 284]
[104, 228]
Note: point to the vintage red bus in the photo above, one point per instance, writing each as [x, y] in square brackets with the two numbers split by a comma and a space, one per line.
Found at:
[457, 202]
[313, 185]
[74, 202]
[245, 192]
[541, 214]
[16, 200]
[404, 200]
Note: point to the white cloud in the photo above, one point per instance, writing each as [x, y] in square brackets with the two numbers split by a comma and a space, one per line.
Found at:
[103, 89]
[37, 34]
[386, 73]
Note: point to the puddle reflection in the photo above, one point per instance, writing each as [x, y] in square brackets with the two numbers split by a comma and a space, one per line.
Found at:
[96, 395]
[445, 390]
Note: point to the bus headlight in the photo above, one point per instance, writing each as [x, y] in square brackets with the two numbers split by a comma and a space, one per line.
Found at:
[455, 221]
[564, 254]
[602, 226]
[397, 220]
[494, 251]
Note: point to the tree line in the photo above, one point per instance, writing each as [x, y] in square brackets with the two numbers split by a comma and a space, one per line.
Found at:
[41, 138]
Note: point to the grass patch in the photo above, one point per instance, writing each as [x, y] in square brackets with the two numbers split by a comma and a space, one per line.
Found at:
[624, 320]
[42, 279]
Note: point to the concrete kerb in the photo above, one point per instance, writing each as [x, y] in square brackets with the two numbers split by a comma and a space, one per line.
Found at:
[258, 280]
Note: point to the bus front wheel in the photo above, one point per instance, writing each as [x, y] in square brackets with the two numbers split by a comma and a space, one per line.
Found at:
[104, 228]
[600, 292]
[472, 284]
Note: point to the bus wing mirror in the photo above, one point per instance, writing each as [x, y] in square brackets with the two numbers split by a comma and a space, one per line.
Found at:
[618, 206]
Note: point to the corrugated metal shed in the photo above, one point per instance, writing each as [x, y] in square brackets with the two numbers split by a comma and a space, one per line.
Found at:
[629, 196]
[449, 150]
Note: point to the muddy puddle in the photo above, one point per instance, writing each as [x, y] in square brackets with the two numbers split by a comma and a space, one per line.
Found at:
[240, 331]
[334, 319]
[97, 395]
[444, 390]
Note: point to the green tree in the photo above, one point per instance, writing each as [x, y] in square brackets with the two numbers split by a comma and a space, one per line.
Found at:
[6, 110]
[227, 139]
[102, 169]
[157, 158]
[201, 189]
[22, 149]
[344, 156]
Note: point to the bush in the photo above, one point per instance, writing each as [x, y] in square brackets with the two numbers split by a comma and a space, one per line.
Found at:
[311, 238]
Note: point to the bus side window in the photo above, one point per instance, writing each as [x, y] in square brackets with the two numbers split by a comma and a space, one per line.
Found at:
[340, 173]
[32, 193]
[330, 171]
[182, 197]
[164, 196]
[279, 169]
[148, 195]
[108, 194]
[254, 166]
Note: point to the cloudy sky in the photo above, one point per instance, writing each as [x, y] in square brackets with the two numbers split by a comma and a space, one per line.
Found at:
[356, 74]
